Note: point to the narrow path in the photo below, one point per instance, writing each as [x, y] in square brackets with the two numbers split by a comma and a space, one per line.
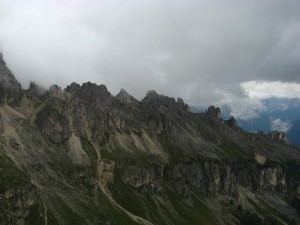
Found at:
[103, 187]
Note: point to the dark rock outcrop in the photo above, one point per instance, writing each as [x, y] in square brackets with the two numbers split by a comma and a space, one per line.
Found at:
[214, 112]
[22, 199]
[10, 88]
[211, 177]
[232, 123]
[52, 122]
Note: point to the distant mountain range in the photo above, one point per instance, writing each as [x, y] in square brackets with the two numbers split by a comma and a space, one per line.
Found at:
[280, 114]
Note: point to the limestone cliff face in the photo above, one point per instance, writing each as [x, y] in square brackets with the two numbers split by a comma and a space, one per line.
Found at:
[211, 177]
[92, 107]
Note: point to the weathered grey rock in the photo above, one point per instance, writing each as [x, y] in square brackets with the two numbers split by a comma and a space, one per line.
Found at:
[52, 122]
[124, 97]
[141, 178]
[279, 136]
[214, 112]
[209, 177]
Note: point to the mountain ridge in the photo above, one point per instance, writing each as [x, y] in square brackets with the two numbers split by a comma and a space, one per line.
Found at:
[82, 156]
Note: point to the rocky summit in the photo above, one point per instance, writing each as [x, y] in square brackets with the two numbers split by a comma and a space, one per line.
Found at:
[80, 155]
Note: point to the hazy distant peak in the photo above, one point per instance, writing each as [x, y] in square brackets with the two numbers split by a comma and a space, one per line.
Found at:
[2, 62]
[151, 93]
[7, 79]
[9, 85]
[36, 88]
[180, 101]
[124, 97]
[123, 92]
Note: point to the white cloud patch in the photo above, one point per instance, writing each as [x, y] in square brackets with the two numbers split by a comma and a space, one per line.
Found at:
[279, 125]
[242, 108]
[250, 106]
[265, 89]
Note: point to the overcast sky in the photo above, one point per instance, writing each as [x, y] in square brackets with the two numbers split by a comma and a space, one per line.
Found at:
[205, 51]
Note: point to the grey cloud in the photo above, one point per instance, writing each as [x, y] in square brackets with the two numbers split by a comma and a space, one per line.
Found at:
[283, 63]
[198, 50]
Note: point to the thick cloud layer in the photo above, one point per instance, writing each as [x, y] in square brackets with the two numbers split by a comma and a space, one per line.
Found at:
[199, 50]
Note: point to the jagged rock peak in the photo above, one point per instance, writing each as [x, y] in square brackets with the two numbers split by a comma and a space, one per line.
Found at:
[6, 76]
[124, 97]
[151, 93]
[87, 86]
[214, 112]
[2, 62]
[54, 87]
[279, 136]
[90, 84]
[99, 91]
[122, 91]
[10, 88]
[93, 86]
[55, 90]
[36, 88]
[73, 87]
[89, 93]
[180, 101]
[183, 104]
[232, 123]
